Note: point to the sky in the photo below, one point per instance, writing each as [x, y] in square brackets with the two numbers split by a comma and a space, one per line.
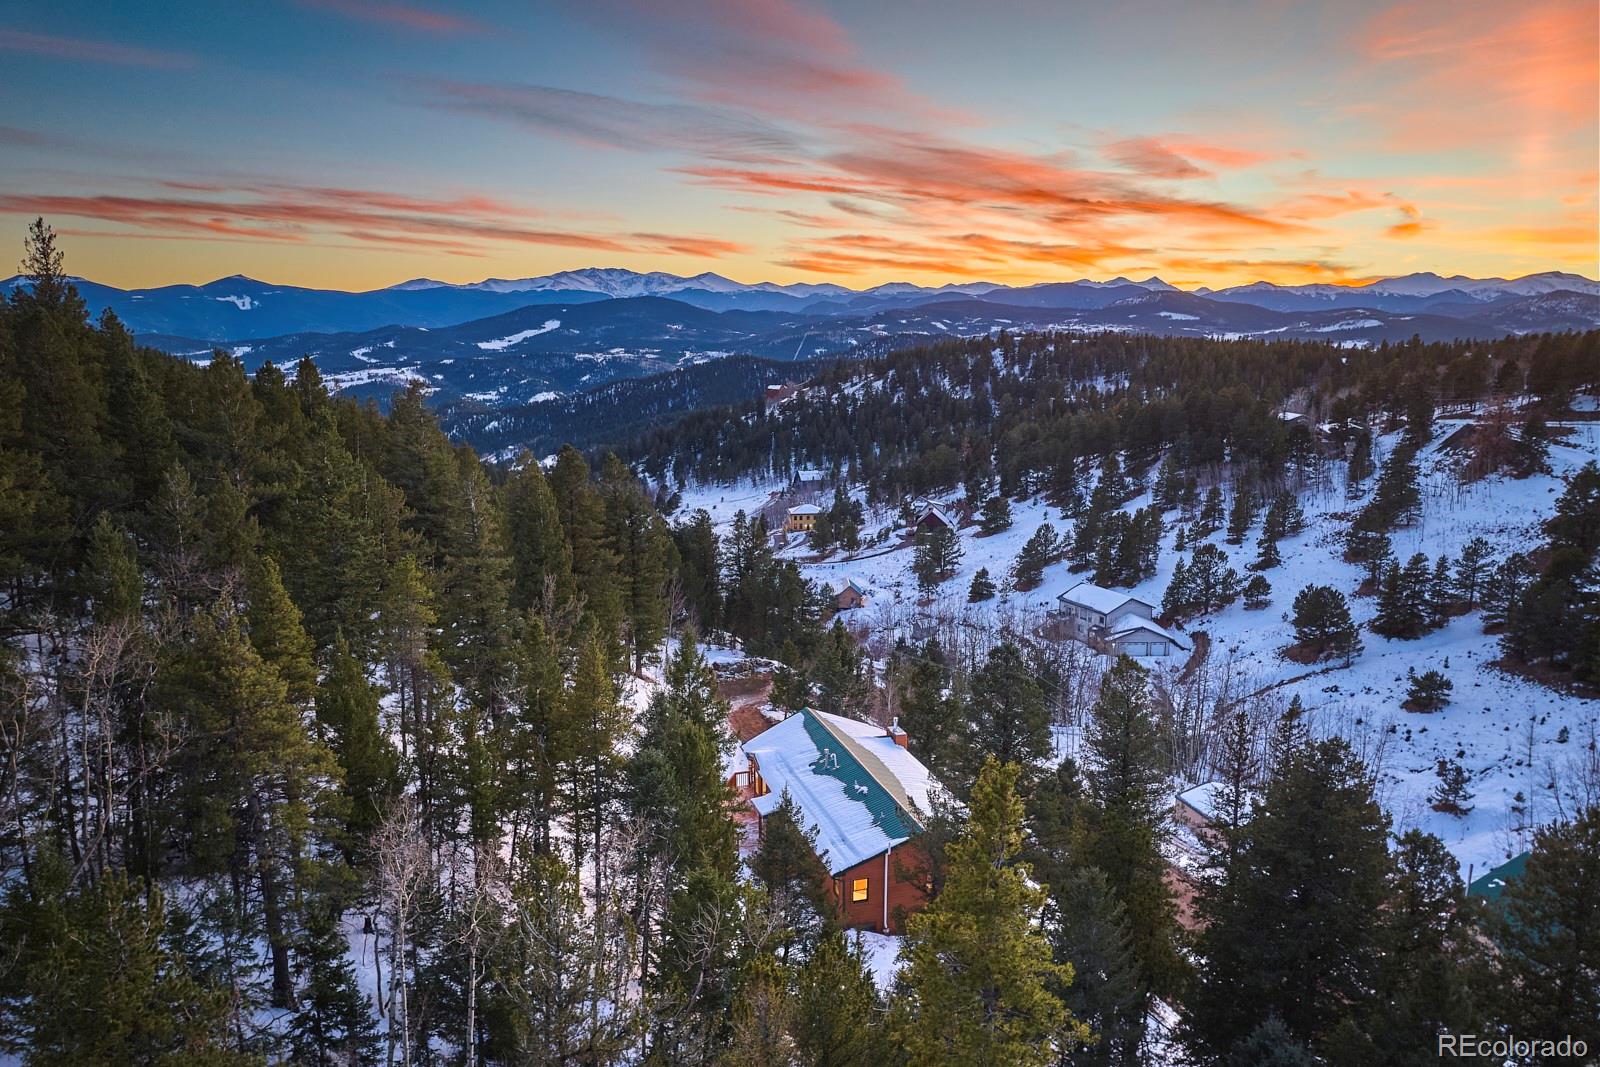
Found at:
[354, 144]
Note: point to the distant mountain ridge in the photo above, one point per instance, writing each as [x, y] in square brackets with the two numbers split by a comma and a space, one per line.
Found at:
[501, 343]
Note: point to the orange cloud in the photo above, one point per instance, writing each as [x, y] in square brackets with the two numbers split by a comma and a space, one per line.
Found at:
[1524, 72]
[302, 214]
[1146, 155]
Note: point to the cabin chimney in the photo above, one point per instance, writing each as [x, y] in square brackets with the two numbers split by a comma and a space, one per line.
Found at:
[898, 734]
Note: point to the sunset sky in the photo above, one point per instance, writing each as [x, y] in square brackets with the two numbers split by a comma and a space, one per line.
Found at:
[357, 143]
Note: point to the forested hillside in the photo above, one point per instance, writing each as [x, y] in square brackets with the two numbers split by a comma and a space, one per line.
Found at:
[323, 741]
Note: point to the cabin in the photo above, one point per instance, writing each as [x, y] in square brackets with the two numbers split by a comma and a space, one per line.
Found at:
[863, 793]
[1196, 807]
[810, 475]
[932, 516]
[776, 394]
[848, 595]
[802, 518]
[1121, 624]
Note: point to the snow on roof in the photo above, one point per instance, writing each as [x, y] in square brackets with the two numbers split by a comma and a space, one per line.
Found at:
[805, 509]
[1096, 599]
[809, 474]
[1203, 798]
[1290, 416]
[931, 509]
[859, 790]
[839, 584]
[1150, 626]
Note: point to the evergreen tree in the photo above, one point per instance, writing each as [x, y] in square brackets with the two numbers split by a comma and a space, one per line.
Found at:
[1403, 600]
[700, 569]
[996, 515]
[332, 1022]
[1548, 933]
[1322, 623]
[937, 554]
[348, 711]
[1360, 467]
[102, 984]
[1007, 716]
[1452, 796]
[1257, 592]
[1472, 571]
[1430, 978]
[1296, 933]
[1090, 931]
[1039, 552]
[1267, 558]
[786, 866]
[541, 559]
[982, 587]
[1428, 691]
[836, 1007]
[1127, 778]
[762, 1015]
[1210, 518]
[978, 975]
[1241, 515]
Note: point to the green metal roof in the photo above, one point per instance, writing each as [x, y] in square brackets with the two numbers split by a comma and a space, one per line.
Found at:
[1492, 883]
[860, 781]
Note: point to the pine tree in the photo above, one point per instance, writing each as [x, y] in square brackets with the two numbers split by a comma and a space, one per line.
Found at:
[982, 587]
[1268, 556]
[786, 866]
[275, 630]
[1441, 592]
[700, 569]
[1039, 552]
[1127, 778]
[1322, 623]
[332, 1022]
[1548, 933]
[1428, 691]
[1452, 795]
[1296, 932]
[541, 559]
[1472, 571]
[1241, 515]
[836, 1007]
[103, 986]
[1091, 933]
[1007, 716]
[937, 554]
[1257, 592]
[1403, 600]
[996, 514]
[761, 1017]
[977, 980]
[1432, 971]
[348, 711]
[1360, 467]
[1210, 519]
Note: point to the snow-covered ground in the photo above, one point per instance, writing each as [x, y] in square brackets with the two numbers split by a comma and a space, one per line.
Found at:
[1501, 728]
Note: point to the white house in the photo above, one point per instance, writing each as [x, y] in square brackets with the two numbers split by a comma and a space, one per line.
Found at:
[1122, 622]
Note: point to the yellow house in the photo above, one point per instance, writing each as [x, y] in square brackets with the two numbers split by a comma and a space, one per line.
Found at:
[802, 517]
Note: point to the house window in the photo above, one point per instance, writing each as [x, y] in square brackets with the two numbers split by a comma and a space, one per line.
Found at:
[858, 891]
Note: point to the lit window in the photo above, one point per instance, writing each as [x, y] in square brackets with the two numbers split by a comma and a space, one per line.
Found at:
[858, 891]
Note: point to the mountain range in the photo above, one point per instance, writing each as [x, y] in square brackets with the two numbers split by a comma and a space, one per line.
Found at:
[502, 343]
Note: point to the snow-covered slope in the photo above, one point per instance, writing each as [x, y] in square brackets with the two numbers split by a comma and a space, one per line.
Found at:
[1502, 728]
